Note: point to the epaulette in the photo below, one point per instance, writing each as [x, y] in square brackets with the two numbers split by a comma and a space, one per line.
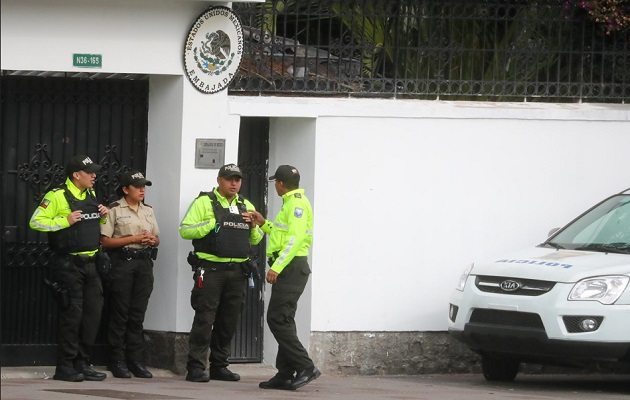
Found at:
[114, 204]
[298, 196]
[55, 189]
[147, 205]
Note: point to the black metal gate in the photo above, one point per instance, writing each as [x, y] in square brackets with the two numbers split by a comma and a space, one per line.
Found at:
[45, 121]
[253, 153]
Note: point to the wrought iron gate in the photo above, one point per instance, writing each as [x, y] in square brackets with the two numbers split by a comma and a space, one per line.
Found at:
[253, 153]
[45, 121]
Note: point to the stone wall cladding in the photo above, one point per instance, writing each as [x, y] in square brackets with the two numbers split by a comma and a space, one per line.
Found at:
[365, 353]
[413, 353]
[391, 353]
[166, 350]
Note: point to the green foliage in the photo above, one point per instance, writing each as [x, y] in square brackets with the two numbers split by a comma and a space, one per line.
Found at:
[459, 49]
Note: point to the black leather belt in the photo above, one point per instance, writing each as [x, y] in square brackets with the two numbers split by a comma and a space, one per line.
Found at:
[220, 266]
[82, 259]
[136, 254]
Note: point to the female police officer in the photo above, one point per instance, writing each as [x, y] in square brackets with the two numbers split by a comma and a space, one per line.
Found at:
[131, 235]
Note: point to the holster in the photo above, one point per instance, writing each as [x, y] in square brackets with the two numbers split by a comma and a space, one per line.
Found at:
[60, 293]
[61, 264]
[103, 264]
[193, 260]
[250, 267]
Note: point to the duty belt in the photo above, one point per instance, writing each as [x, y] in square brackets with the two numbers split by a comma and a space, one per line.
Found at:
[219, 266]
[82, 259]
[138, 254]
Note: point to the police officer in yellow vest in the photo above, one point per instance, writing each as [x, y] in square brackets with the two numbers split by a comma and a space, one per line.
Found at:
[220, 226]
[72, 217]
[131, 236]
[290, 236]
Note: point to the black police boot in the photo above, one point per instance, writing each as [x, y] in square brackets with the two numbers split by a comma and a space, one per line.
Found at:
[197, 375]
[89, 374]
[304, 377]
[68, 374]
[278, 382]
[223, 374]
[139, 370]
[119, 369]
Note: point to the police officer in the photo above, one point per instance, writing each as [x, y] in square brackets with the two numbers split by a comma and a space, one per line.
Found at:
[131, 236]
[222, 232]
[290, 236]
[72, 216]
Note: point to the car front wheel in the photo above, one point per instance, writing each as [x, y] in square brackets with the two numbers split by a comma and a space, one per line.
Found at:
[499, 369]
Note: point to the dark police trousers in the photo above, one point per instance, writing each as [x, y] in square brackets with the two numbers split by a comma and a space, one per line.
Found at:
[131, 284]
[217, 304]
[292, 356]
[77, 325]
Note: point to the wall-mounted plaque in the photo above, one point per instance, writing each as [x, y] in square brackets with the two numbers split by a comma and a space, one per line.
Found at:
[209, 153]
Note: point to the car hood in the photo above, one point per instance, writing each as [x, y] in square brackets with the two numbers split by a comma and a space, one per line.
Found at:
[554, 265]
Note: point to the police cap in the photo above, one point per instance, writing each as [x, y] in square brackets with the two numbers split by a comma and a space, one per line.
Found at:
[286, 173]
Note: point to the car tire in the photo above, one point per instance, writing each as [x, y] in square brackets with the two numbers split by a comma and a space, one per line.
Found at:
[499, 369]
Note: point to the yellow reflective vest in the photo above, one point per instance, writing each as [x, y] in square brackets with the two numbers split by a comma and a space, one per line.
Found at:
[291, 233]
[51, 214]
[200, 220]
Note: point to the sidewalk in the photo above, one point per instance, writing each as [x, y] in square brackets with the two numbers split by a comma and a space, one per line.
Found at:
[36, 383]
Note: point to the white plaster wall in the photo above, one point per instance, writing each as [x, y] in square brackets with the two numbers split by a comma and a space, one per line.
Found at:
[178, 115]
[164, 168]
[407, 193]
[139, 36]
[288, 140]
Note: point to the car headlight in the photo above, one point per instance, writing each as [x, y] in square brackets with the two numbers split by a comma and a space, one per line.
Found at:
[462, 279]
[605, 289]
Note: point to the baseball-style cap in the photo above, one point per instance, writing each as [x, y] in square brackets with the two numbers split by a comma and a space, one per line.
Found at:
[81, 163]
[286, 173]
[135, 178]
[229, 170]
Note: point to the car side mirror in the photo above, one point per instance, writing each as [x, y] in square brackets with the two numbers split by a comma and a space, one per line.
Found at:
[551, 232]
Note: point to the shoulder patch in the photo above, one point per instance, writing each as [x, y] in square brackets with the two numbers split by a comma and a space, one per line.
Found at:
[44, 204]
[298, 195]
[298, 212]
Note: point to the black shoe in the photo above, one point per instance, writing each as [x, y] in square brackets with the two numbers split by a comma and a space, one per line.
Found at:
[68, 374]
[197, 375]
[139, 370]
[88, 373]
[223, 374]
[304, 377]
[277, 382]
[119, 369]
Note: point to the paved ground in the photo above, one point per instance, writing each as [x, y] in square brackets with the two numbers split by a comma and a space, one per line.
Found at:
[35, 383]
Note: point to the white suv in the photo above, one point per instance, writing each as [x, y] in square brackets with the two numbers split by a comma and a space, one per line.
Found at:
[564, 302]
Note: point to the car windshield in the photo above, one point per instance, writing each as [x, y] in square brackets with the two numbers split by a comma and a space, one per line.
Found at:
[605, 228]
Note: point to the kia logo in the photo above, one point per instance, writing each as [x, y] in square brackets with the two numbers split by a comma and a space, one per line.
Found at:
[510, 286]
